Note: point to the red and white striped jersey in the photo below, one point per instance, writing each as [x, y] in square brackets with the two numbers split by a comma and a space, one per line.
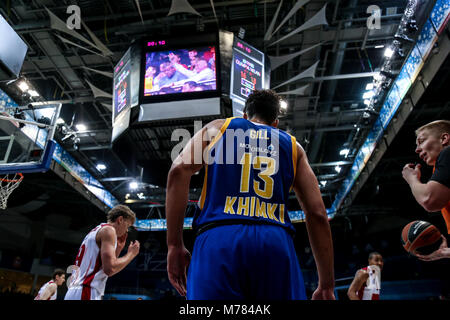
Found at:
[89, 274]
[42, 289]
[371, 289]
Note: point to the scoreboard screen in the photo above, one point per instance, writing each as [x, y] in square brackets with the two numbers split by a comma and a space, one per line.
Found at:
[247, 72]
[122, 88]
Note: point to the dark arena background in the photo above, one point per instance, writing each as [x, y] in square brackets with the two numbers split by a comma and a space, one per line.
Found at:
[357, 77]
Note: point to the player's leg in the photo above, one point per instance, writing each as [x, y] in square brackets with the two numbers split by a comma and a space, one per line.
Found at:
[215, 271]
[275, 273]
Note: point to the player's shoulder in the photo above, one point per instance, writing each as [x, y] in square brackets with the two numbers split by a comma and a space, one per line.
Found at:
[52, 285]
[217, 123]
[444, 155]
[106, 231]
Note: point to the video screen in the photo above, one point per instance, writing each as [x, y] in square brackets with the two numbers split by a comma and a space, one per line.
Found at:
[180, 71]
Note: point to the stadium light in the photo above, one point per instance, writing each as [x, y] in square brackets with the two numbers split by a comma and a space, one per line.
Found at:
[23, 86]
[283, 105]
[33, 93]
[344, 152]
[101, 166]
[368, 94]
[388, 53]
[133, 185]
[81, 127]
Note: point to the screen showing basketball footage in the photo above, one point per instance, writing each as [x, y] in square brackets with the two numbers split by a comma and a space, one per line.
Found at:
[122, 90]
[180, 71]
[247, 71]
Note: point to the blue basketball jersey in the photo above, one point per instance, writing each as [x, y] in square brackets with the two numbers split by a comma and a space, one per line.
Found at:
[249, 172]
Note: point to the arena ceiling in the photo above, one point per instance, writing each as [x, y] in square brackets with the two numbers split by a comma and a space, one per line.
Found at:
[330, 117]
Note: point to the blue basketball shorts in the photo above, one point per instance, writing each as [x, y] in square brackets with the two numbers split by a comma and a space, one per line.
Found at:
[236, 262]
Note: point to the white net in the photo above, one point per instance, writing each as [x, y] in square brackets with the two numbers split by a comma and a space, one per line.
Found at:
[8, 183]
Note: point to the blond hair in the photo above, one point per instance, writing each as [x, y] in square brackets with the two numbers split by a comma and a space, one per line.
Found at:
[121, 211]
[437, 127]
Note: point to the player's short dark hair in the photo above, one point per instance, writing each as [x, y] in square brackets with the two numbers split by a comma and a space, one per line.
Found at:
[121, 211]
[58, 272]
[264, 104]
[372, 254]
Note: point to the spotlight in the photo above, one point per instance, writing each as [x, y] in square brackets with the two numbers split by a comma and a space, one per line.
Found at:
[133, 185]
[378, 77]
[369, 86]
[81, 127]
[338, 169]
[323, 183]
[388, 53]
[23, 86]
[368, 94]
[344, 152]
[367, 102]
[283, 105]
[101, 166]
[33, 93]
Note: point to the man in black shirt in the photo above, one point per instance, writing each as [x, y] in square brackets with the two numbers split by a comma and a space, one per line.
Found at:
[433, 140]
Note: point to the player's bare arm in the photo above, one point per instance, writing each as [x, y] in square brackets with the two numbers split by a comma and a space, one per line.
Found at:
[307, 190]
[121, 243]
[185, 165]
[357, 283]
[432, 196]
[111, 264]
[49, 291]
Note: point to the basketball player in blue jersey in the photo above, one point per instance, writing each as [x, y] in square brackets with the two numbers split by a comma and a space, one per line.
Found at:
[244, 246]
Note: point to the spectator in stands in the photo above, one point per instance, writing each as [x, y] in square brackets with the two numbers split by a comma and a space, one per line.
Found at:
[170, 76]
[201, 71]
[189, 86]
[367, 282]
[432, 143]
[149, 77]
[193, 57]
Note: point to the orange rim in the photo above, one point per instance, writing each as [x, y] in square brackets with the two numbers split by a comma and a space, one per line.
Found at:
[13, 180]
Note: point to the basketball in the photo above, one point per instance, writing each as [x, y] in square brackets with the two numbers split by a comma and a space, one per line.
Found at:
[421, 237]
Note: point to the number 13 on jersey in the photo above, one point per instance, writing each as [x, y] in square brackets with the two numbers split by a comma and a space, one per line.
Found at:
[264, 190]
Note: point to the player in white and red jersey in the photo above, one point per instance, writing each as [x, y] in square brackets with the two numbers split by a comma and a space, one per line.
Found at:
[98, 257]
[367, 282]
[50, 289]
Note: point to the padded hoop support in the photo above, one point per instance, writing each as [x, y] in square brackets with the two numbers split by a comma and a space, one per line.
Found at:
[31, 167]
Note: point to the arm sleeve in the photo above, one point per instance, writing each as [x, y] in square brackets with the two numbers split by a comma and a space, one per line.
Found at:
[442, 168]
[184, 71]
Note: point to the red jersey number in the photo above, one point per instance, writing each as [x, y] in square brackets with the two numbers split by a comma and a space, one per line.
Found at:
[80, 255]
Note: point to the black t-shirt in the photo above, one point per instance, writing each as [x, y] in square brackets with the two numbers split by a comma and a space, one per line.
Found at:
[442, 168]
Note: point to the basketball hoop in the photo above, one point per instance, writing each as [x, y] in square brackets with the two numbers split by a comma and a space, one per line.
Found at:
[7, 185]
